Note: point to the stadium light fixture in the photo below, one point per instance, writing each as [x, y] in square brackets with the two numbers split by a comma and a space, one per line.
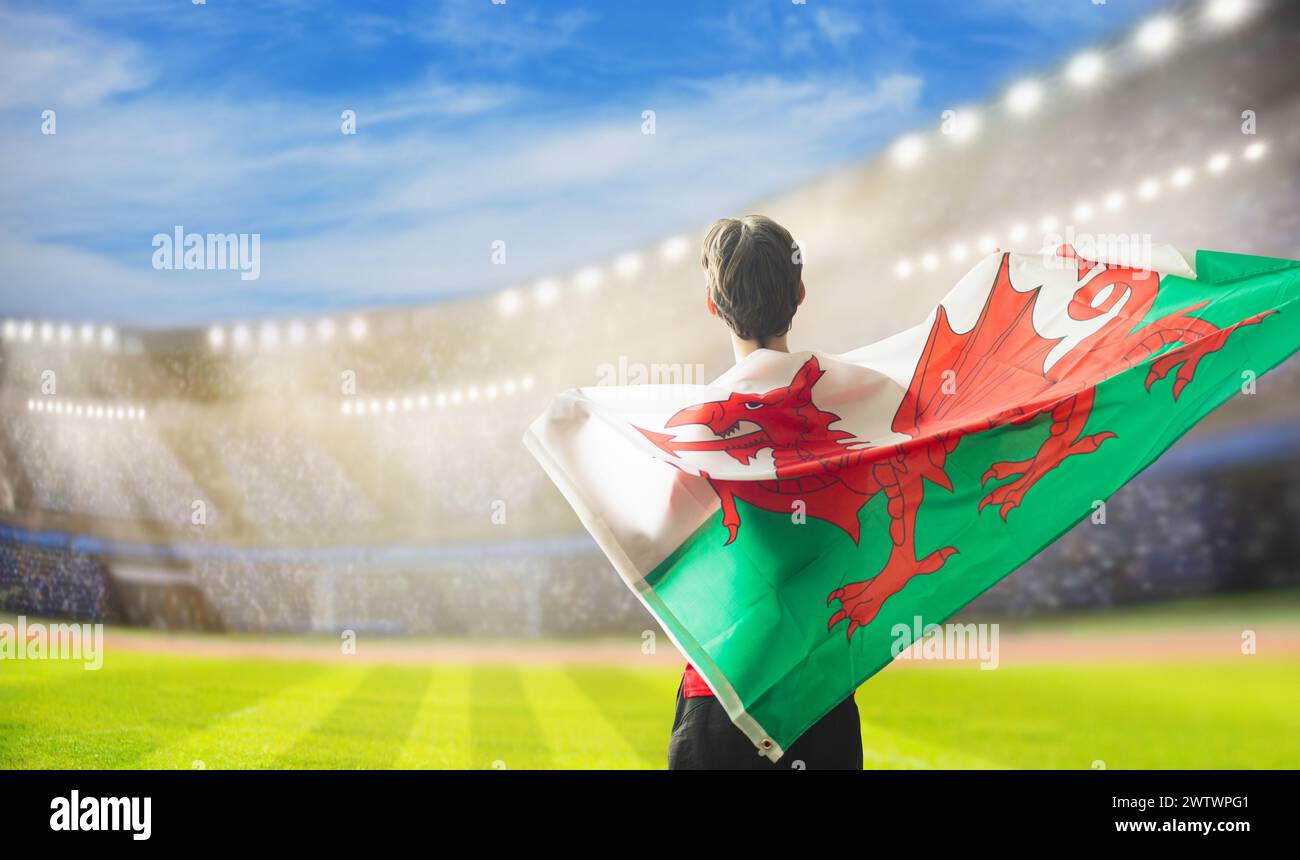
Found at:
[422, 402]
[471, 393]
[357, 328]
[47, 332]
[491, 391]
[130, 412]
[297, 333]
[508, 386]
[1047, 224]
[346, 407]
[268, 336]
[930, 262]
[456, 397]
[1218, 162]
[107, 337]
[508, 302]
[1018, 232]
[587, 279]
[1157, 35]
[1182, 177]
[1255, 151]
[1114, 201]
[25, 331]
[65, 333]
[546, 292]
[527, 383]
[1024, 97]
[1148, 189]
[675, 248]
[408, 404]
[965, 125]
[375, 407]
[1225, 13]
[1085, 69]
[440, 400]
[325, 330]
[903, 269]
[216, 337]
[628, 265]
[958, 253]
[87, 334]
[241, 336]
[391, 405]
[908, 150]
[10, 329]
[31, 405]
[987, 244]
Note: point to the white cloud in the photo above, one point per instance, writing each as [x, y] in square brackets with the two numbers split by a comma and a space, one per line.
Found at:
[504, 32]
[837, 26]
[407, 208]
[50, 62]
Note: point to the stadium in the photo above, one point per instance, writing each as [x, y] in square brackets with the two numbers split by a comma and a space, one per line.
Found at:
[233, 499]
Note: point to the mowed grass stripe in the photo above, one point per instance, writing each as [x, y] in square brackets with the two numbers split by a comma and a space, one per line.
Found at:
[503, 727]
[369, 727]
[257, 736]
[56, 714]
[575, 731]
[440, 734]
[886, 750]
[638, 703]
[1228, 714]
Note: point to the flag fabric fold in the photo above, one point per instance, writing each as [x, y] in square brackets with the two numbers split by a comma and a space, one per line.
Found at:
[790, 524]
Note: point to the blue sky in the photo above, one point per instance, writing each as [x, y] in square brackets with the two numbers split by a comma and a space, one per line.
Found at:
[476, 122]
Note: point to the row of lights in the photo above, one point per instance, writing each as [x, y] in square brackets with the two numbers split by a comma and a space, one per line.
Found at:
[439, 400]
[1148, 189]
[1154, 38]
[270, 336]
[86, 335]
[547, 291]
[77, 409]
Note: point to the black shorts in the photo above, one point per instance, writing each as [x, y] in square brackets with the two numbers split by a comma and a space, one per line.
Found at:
[705, 738]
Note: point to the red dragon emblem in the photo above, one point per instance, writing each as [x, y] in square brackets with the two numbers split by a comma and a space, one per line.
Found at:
[959, 379]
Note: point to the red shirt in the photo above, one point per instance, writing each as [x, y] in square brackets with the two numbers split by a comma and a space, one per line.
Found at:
[693, 686]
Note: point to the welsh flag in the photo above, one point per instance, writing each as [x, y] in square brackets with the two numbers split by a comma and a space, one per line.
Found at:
[786, 523]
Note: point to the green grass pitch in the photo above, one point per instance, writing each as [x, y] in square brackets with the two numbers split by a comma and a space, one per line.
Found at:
[158, 710]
